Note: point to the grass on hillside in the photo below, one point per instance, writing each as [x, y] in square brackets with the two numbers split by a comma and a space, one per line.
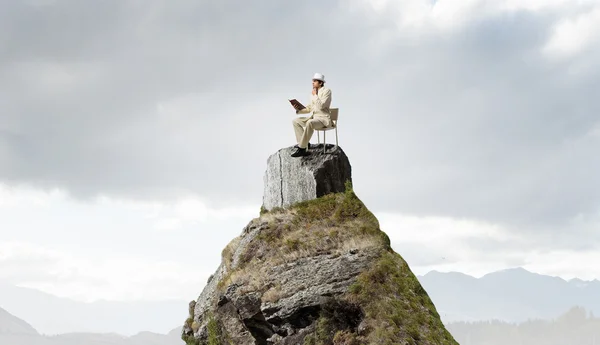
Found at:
[332, 224]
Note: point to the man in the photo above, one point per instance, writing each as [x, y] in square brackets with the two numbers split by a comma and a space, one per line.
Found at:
[304, 127]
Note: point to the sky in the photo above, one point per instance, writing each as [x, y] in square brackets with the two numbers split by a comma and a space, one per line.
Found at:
[134, 134]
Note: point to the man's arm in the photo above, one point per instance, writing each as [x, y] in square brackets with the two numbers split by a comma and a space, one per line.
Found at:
[322, 100]
[306, 110]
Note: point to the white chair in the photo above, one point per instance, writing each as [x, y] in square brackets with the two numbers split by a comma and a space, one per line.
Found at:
[334, 120]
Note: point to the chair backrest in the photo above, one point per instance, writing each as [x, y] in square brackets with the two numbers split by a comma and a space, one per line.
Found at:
[334, 114]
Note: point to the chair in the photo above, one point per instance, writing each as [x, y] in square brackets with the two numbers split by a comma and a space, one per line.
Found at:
[334, 120]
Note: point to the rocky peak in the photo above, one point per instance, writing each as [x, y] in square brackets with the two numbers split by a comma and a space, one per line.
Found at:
[317, 271]
[289, 180]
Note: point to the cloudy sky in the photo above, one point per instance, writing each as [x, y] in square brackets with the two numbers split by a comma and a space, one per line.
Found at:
[134, 134]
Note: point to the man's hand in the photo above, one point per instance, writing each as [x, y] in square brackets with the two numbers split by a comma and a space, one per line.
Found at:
[314, 91]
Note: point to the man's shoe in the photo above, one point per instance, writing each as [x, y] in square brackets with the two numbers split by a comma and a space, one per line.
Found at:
[307, 146]
[300, 152]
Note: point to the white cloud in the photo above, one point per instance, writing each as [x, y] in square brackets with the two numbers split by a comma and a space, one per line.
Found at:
[113, 248]
[88, 278]
[434, 16]
[539, 5]
[477, 248]
[445, 244]
[171, 215]
[423, 15]
[573, 35]
[165, 215]
[16, 196]
[566, 264]
[413, 228]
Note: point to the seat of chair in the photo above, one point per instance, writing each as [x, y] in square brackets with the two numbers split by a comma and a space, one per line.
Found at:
[334, 119]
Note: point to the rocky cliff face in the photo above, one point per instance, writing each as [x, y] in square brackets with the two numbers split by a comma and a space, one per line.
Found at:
[319, 271]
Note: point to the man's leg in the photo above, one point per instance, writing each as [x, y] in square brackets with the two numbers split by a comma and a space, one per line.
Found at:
[299, 124]
[311, 125]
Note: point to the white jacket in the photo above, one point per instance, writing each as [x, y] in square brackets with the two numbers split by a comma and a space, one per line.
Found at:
[319, 106]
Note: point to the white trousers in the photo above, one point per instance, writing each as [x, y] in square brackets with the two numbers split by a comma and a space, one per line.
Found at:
[305, 127]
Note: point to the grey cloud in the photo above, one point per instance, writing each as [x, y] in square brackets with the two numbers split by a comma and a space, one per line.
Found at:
[490, 129]
[475, 123]
[99, 130]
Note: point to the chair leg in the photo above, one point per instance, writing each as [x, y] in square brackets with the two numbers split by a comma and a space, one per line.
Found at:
[336, 139]
[324, 141]
[318, 137]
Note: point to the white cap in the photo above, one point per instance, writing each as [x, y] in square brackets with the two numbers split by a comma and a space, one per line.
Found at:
[319, 76]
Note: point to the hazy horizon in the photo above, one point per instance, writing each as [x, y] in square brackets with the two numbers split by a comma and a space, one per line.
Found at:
[185, 300]
[513, 295]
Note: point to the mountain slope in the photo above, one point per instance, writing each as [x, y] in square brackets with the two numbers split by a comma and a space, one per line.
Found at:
[513, 295]
[10, 324]
[127, 318]
[14, 331]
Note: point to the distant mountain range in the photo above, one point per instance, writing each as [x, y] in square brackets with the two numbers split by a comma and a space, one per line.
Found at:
[513, 295]
[14, 331]
[52, 315]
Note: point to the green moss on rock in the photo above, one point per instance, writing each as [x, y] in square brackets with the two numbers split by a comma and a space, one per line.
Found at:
[396, 305]
[190, 340]
[214, 331]
[314, 226]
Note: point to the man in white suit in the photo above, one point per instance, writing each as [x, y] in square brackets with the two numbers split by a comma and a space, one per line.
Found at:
[304, 127]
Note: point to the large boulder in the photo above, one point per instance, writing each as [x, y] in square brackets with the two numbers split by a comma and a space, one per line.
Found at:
[288, 180]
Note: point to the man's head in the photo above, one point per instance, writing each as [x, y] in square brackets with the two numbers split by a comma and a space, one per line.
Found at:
[318, 80]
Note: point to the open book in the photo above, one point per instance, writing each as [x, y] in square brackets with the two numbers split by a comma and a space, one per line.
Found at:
[295, 101]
